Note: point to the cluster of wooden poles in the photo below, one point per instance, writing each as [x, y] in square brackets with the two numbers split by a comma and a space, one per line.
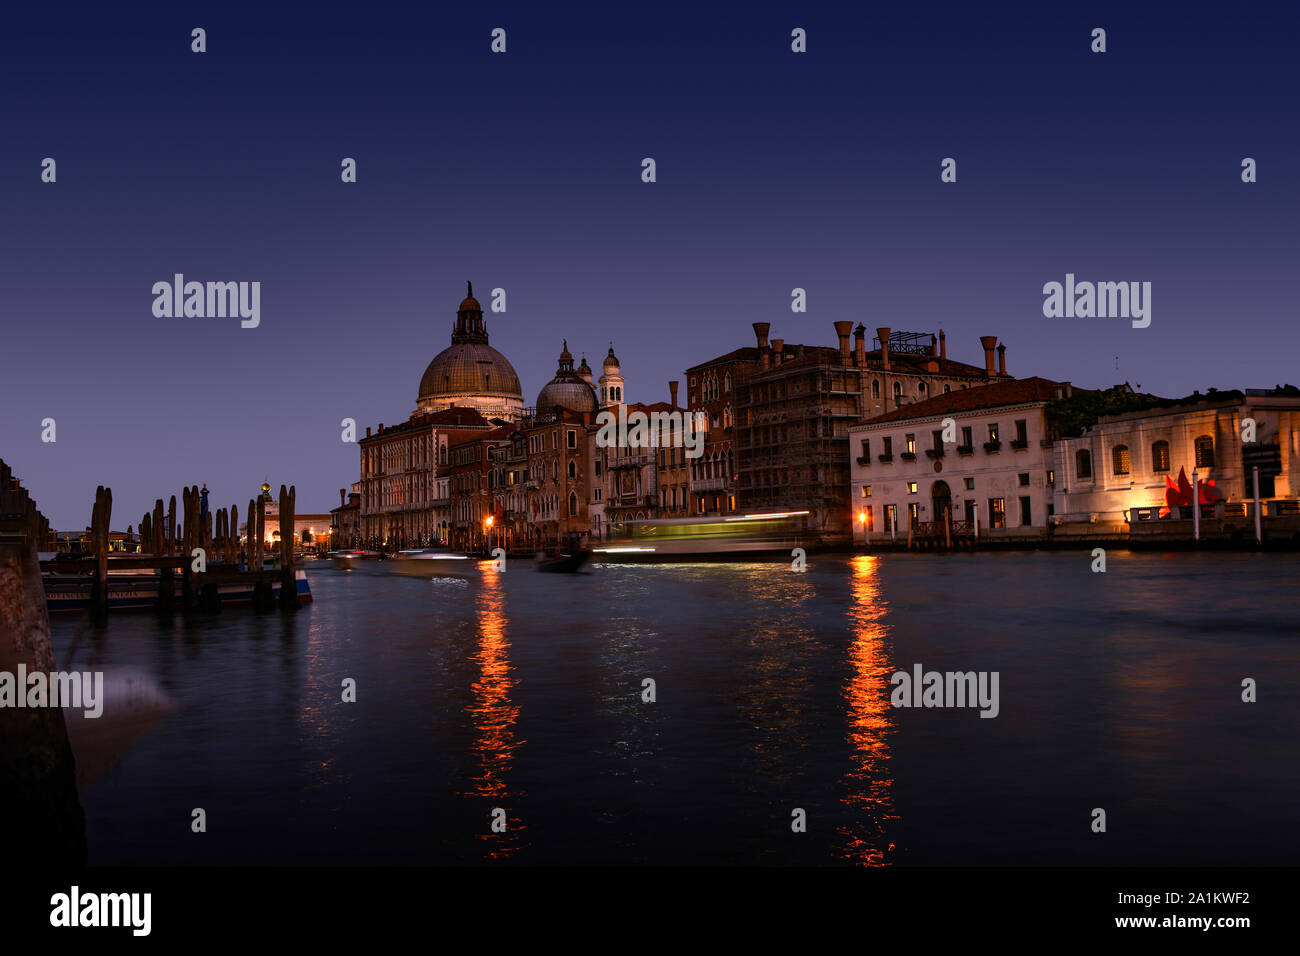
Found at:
[202, 537]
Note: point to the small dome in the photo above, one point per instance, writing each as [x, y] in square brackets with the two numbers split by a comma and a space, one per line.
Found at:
[575, 395]
[568, 389]
[611, 360]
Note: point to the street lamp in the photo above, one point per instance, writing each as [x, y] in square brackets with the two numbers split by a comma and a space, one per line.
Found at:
[487, 525]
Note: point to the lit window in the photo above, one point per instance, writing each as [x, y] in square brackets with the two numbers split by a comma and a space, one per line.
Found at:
[1121, 459]
[911, 487]
[1160, 456]
[1205, 452]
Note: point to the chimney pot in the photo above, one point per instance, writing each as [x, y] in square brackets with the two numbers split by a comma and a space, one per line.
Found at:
[672, 390]
[860, 346]
[989, 342]
[883, 335]
[1002, 359]
[842, 330]
[760, 331]
[778, 351]
[943, 345]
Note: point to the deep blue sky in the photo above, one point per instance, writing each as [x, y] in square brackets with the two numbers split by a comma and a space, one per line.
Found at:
[522, 171]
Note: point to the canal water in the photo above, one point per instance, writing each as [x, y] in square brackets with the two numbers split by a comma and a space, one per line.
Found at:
[524, 691]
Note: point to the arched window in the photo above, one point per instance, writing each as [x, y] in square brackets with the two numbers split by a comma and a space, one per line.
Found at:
[1121, 461]
[920, 386]
[1160, 456]
[573, 469]
[898, 390]
[1083, 463]
[442, 455]
[573, 503]
[875, 388]
[947, 389]
[1205, 451]
[726, 383]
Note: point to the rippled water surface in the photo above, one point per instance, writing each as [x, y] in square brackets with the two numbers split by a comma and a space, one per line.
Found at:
[524, 691]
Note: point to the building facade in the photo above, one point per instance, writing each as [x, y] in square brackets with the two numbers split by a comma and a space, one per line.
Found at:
[1127, 461]
[996, 471]
[794, 413]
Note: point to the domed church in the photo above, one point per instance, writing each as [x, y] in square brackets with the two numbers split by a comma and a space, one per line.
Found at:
[569, 389]
[469, 373]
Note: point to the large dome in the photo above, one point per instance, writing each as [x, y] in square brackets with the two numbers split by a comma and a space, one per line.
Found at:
[568, 389]
[469, 367]
[471, 373]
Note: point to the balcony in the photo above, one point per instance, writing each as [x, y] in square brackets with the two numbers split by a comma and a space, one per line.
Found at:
[708, 484]
[965, 449]
[992, 447]
[885, 458]
[908, 456]
[934, 453]
[864, 460]
[1019, 445]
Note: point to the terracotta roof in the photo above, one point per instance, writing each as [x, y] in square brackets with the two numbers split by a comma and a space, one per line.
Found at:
[815, 355]
[459, 415]
[748, 353]
[1015, 392]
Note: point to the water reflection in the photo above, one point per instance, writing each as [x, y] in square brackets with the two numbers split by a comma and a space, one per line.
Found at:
[867, 784]
[494, 717]
[778, 672]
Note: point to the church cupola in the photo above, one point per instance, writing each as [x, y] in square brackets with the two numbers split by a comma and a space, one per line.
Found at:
[469, 321]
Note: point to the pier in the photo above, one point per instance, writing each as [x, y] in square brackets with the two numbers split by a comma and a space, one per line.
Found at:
[196, 566]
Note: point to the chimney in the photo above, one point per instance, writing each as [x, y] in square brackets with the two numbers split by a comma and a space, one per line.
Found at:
[1002, 359]
[672, 390]
[860, 346]
[843, 329]
[367, 431]
[883, 335]
[343, 497]
[760, 331]
[989, 342]
[778, 351]
[943, 345]
[934, 347]
[381, 428]
[1069, 390]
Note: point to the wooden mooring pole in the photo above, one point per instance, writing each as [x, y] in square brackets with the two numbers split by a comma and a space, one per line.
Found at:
[288, 581]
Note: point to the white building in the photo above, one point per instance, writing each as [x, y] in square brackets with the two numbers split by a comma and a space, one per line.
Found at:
[904, 475]
[1122, 462]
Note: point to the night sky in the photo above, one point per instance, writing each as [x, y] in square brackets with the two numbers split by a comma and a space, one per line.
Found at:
[523, 171]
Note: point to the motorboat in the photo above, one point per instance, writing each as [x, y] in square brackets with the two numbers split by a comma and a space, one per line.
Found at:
[429, 563]
[563, 562]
